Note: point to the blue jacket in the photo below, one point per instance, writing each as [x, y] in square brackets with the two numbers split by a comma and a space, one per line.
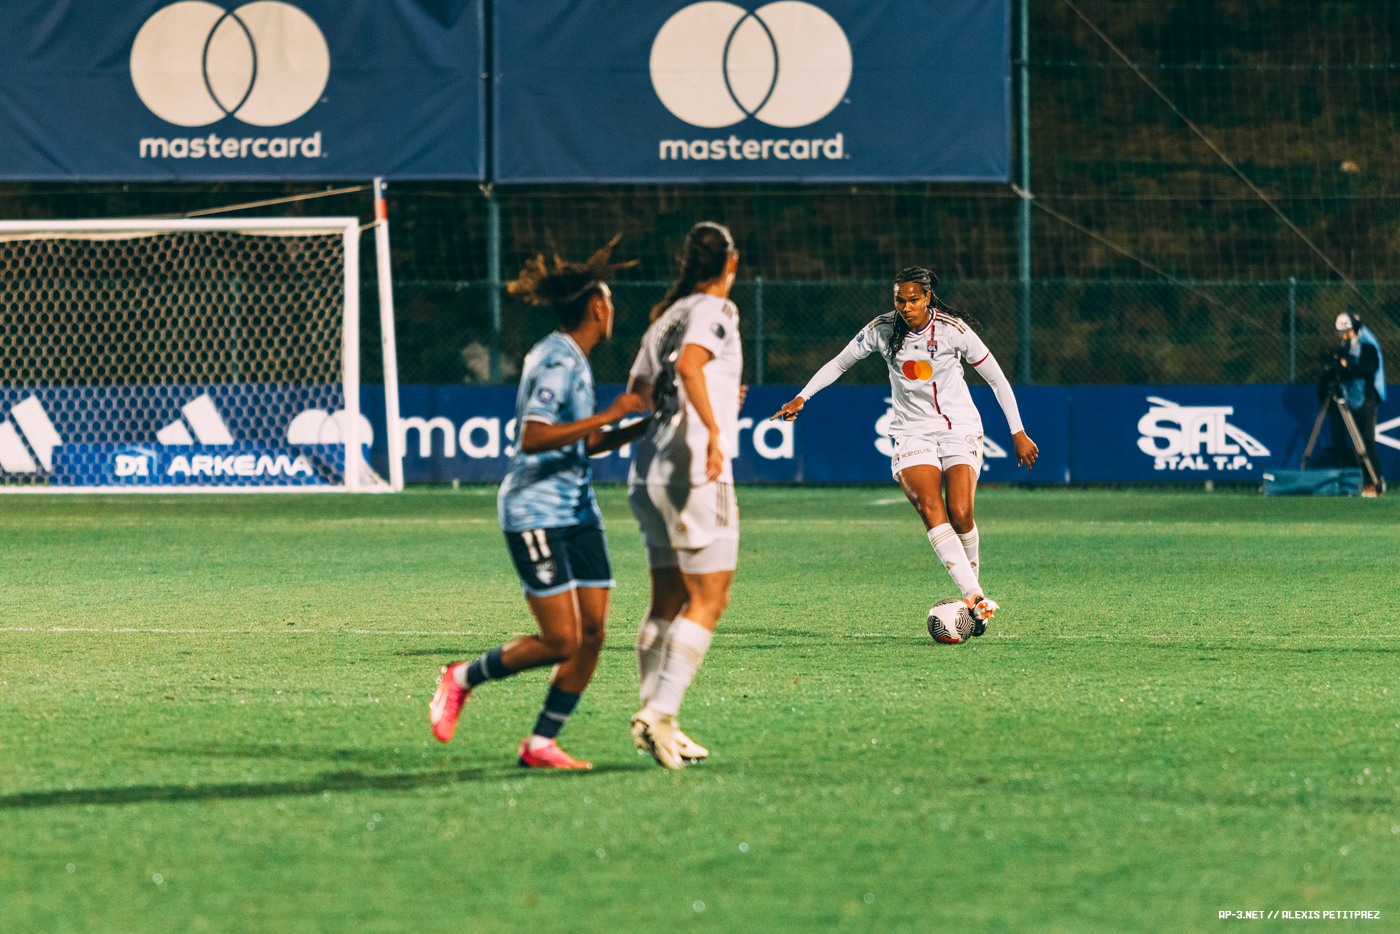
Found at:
[1355, 389]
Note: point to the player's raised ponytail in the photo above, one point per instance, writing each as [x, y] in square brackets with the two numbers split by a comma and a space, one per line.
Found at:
[927, 280]
[707, 248]
[568, 286]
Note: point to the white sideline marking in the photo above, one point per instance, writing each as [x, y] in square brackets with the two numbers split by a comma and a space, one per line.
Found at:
[726, 635]
[289, 632]
[258, 632]
[1256, 638]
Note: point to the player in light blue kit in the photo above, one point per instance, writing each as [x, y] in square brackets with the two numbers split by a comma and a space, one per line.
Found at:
[546, 507]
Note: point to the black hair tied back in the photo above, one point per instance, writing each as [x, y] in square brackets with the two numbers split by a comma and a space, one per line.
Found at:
[926, 279]
[567, 286]
[707, 248]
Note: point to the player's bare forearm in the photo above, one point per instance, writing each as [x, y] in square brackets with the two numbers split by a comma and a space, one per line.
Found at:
[642, 389]
[691, 370]
[601, 441]
[538, 437]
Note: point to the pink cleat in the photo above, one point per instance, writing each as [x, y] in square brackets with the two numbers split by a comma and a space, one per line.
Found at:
[548, 757]
[447, 703]
[982, 610]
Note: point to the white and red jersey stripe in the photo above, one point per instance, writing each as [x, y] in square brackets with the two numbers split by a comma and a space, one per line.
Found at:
[928, 392]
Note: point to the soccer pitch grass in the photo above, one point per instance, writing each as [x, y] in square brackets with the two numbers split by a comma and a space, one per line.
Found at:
[213, 718]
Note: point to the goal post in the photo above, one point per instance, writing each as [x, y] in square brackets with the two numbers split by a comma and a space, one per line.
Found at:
[191, 355]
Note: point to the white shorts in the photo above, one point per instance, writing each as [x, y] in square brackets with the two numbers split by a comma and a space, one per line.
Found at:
[693, 528]
[941, 449]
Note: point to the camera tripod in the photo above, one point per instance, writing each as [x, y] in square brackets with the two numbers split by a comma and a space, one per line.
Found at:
[1352, 431]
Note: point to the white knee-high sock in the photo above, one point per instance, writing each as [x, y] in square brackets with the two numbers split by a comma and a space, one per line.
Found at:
[686, 645]
[950, 551]
[969, 543]
[651, 650]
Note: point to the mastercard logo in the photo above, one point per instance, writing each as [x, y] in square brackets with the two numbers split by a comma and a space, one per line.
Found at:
[917, 369]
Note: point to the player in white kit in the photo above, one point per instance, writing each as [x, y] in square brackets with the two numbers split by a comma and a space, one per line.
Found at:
[681, 484]
[936, 431]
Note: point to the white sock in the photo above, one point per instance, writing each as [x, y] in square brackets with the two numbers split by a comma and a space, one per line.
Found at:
[536, 741]
[969, 543]
[686, 645]
[651, 649]
[945, 542]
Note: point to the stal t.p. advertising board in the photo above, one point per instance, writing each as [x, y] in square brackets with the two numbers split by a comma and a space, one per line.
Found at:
[268, 89]
[828, 90]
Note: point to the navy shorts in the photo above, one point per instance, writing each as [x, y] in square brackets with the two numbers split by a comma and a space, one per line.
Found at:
[551, 561]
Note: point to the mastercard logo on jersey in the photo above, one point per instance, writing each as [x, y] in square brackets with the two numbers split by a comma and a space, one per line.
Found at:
[917, 369]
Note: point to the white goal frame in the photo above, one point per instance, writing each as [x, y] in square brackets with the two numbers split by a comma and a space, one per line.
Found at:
[357, 476]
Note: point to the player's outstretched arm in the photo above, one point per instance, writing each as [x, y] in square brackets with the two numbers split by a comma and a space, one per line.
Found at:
[543, 436]
[830, 372]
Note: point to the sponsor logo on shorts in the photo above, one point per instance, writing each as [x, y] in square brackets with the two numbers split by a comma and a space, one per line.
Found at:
[544, 570]
[718, 330]
[681, 528]
[545, 395]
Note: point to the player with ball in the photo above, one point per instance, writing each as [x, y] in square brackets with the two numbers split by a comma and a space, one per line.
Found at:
[937, 431]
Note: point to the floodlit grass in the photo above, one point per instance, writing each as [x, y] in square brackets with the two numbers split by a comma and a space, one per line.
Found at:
[213, 718]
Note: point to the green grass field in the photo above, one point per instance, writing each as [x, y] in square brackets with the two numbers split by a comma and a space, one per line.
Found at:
[213, 718]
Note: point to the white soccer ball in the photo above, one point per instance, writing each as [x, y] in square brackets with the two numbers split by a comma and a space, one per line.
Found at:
[950, 622]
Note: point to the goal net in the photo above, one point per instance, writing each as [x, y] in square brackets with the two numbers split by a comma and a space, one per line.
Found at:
[183, 355]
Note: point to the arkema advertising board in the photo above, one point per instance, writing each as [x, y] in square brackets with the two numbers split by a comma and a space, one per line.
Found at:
[199, 90]
[827, 90]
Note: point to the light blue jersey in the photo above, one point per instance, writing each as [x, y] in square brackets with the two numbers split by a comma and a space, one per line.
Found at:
[551, 489]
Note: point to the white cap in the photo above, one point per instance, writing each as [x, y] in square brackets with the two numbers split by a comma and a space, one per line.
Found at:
[1344, 323]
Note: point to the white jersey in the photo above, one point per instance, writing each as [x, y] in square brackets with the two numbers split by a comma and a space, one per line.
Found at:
[675, 446]
[927, 389]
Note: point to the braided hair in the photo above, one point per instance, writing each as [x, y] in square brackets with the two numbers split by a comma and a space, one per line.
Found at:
[707, 248]
[927, 280]
[567, 286]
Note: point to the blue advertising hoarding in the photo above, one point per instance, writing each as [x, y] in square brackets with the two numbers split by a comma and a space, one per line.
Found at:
[315, 89]
[1085, 434]
[1197, 433]
[468, 432]
[677, 91]
[269, 435]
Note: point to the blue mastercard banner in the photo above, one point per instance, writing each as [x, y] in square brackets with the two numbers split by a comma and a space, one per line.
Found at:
[684, 91]
[212, 91]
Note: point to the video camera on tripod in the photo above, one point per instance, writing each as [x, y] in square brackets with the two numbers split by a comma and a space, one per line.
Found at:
[1330, 391]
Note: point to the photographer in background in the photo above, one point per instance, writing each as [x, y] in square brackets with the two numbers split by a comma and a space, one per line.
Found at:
[1355, 372]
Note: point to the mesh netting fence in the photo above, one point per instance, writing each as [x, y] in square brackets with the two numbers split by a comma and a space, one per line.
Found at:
[1084, 331]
